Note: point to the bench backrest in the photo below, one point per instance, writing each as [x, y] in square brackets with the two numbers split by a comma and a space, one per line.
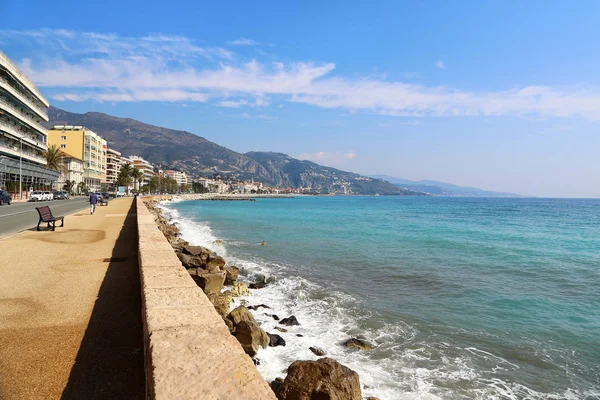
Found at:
[45, 213]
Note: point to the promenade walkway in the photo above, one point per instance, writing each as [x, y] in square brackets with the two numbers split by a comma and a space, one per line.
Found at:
[70, 312]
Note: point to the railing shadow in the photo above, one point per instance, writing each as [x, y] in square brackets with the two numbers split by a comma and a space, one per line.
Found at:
[110, 361]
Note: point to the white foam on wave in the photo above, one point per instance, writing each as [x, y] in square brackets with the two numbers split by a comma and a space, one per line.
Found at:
[196, 233]
[324, 323]
[398, 367]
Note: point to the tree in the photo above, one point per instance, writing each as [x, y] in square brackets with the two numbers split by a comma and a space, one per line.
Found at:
[124, 178]
[68, 186]
[154, 184]
[137, 176]
[82, 188]
[198, 188]
[54, 161]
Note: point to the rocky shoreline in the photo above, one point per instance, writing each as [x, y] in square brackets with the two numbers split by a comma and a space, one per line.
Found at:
[324, 378]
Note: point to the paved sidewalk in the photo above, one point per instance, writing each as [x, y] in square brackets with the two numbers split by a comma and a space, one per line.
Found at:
[70, 316]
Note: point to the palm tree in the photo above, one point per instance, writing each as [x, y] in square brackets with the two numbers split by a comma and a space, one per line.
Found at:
[54, 159]
[124, 177]
[137, 176]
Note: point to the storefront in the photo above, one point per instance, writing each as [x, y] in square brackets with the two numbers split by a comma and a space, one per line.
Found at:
[31, 176]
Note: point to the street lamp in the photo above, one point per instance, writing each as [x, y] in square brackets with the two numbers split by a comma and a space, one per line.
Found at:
[21, 169]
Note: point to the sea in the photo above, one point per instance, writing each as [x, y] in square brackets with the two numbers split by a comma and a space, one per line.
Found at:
[462, 298]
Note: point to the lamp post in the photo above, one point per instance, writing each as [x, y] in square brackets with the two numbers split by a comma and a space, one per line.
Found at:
[21, 169]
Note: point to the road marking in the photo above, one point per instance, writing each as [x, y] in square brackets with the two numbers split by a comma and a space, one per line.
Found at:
[26, 211]
[17, 213]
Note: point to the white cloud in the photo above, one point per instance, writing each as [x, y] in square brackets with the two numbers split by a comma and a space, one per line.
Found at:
[260, 100]
[107, 67]
[337, 158]
[244, 42]
[440, 64]
[258, 116]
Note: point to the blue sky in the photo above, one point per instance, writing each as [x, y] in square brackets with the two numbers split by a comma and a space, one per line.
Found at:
[499, 95]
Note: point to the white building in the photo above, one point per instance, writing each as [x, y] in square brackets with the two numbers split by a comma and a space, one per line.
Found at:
[113, 165]
[23, 140]
[179, 177]
[144, 166]
[73, 172]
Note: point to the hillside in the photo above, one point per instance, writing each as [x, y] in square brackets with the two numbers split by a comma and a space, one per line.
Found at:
[196, 155]
[442, 188]
[308, 174]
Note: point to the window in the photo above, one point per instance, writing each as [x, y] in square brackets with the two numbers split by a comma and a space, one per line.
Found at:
[63, 146]
[63, 138]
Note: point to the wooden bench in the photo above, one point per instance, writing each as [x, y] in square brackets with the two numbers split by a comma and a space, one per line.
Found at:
[46, 216]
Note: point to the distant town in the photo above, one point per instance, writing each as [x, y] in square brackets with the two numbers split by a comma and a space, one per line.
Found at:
[74, 159]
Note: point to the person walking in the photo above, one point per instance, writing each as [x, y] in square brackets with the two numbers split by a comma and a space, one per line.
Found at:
[93, 201]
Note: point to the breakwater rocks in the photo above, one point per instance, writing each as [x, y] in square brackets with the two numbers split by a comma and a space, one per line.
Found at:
[324, 378]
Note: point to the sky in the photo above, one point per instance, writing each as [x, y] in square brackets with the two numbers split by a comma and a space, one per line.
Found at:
[501, 95]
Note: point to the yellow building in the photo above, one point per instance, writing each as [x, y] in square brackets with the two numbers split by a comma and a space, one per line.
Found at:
[84, 144]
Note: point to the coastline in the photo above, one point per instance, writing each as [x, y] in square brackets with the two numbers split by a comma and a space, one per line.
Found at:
[240, 296]
[330, 308]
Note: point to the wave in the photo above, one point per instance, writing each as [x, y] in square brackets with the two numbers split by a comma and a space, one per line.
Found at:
[403, 363]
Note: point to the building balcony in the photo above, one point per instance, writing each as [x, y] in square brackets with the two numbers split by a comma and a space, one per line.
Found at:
[14, 151]
[27, 138]
[14, 71]
[4, 84]
[24, 117]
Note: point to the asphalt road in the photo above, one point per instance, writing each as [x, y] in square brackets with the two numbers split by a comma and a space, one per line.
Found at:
[20, 216]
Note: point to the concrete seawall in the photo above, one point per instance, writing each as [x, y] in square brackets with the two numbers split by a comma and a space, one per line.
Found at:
[189, 352]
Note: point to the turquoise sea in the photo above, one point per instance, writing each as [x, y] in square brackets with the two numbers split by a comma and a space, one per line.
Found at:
[463, 298]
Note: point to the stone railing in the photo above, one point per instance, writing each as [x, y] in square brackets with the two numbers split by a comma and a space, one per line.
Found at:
[189, 352]
[8, 87]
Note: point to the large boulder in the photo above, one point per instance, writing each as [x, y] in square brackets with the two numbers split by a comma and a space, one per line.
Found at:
[189, 261]
[197, 251]
[210, 282]
[232, 274]
[275, 340]
[289, 321]
[251, 337]
[215, 262]
[322, 379]
[198, 256]
[240, 314]
[317, 351]
[229, 324]
[170, 231]
[260, 283]
[221, 302]
[356, 343]
[240, 289]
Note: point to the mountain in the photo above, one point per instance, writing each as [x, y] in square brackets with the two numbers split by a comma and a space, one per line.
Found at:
[185, 151]
[308, 174]
[442, 188]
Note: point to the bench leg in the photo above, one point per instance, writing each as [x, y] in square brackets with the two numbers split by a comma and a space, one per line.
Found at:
[53, 226]
[62, 223]
[38, 227]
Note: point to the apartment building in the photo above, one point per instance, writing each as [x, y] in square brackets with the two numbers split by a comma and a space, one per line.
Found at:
[180, 177]
[113, 165]
[23, 140]
[147, 169]
[82, 143]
